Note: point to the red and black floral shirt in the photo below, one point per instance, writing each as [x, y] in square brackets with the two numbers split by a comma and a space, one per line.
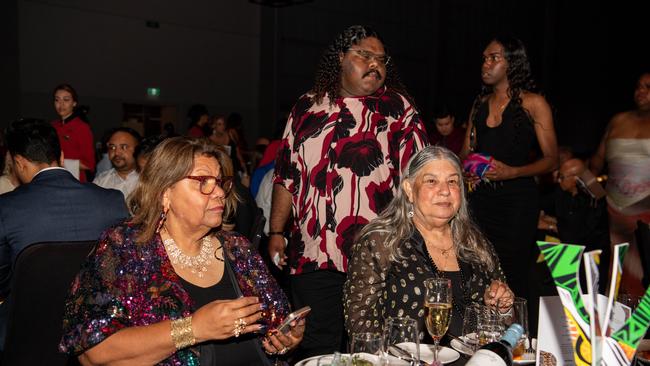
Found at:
[342, 164]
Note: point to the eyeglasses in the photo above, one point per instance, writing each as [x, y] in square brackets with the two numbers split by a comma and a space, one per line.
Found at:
[122, 147]
[209, 183]
[367, 56]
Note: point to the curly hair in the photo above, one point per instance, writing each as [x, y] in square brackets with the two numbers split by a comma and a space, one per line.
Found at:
[519, 75]
[328, 74]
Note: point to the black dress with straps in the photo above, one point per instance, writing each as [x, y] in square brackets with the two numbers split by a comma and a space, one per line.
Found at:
[507, 211]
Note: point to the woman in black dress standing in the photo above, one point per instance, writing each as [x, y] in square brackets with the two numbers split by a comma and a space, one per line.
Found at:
[508, 121]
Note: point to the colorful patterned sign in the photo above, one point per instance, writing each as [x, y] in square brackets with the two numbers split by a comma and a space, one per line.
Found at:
[613, 347]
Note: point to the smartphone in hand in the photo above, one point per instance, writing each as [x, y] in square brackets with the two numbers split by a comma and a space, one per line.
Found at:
[296, 315]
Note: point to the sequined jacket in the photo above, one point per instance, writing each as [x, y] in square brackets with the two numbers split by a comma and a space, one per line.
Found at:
[123, 284]
[378, 288]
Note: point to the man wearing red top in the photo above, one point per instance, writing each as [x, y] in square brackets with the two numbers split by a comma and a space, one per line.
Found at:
[446, 133]
[342, 152]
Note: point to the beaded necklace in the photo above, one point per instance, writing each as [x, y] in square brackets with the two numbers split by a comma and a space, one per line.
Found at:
[197, 264]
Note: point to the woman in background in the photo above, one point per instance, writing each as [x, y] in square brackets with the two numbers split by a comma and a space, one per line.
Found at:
[508, 121]
[74, 132]
[221, 136]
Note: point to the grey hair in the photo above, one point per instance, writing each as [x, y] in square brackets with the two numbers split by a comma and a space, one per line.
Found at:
[470, 244]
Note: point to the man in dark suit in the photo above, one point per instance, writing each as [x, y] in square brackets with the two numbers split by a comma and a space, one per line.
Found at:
[50, 205]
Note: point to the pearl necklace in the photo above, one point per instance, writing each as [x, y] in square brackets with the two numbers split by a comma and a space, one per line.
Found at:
[197, 264]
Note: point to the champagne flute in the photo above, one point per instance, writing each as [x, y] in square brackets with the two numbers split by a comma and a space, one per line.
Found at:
[437, 300]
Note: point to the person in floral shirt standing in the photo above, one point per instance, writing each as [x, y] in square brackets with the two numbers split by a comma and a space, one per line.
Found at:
[339, 165]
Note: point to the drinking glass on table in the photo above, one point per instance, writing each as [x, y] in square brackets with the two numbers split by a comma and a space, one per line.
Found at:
[367, 343]
[489, 325]
[401, 339]
[517, 313]
[437, 301]
[470, 325]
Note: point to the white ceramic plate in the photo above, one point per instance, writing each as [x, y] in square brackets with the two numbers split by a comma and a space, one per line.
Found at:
[326, 359]
[460, 347]
[445, 355]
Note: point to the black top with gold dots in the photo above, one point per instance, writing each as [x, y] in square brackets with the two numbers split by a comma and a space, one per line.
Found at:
[378, 288]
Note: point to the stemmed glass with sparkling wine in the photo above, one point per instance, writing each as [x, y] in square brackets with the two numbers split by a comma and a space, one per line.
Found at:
[437, 301]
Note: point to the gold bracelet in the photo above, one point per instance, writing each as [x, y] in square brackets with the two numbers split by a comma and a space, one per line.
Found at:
[182, 334]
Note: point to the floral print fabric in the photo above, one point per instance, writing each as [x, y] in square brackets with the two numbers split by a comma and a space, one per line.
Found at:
[342, 164]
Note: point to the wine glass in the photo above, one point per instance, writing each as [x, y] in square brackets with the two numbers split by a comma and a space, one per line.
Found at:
[368, 344]
[437, 300]
[401, 339]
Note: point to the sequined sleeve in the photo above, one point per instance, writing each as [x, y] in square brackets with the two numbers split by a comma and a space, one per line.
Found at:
[92, 310]
[254, 278]
[367, 272]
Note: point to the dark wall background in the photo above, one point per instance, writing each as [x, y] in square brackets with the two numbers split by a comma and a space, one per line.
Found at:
[586, 56]
[235, 55]
[201, 51]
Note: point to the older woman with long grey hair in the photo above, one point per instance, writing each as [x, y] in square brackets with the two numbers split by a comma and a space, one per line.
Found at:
[425, 232]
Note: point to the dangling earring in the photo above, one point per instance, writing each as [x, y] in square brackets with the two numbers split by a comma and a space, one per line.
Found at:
[410, 214]
[161, 222]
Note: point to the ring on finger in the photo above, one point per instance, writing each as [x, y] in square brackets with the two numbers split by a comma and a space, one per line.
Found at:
[240, 325]
[283, 351]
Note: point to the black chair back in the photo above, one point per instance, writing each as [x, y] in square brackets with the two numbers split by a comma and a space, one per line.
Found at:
[41, 280]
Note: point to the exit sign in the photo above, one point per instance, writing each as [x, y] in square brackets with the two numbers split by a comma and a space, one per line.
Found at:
[153, 92]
